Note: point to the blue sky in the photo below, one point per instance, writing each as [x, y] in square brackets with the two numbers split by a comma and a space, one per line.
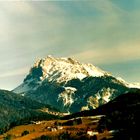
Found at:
[105, 33]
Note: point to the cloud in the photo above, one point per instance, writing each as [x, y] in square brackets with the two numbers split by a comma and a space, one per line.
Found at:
[124, 52]
[15, 73]
[17, 7]
[98, 31]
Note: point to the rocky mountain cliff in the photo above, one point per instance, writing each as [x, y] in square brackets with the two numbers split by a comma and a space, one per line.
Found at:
[69, 85]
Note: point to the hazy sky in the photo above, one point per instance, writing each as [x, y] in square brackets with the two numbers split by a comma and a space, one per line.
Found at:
[105, 33]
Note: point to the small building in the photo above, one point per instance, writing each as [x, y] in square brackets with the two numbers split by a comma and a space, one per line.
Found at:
[59, 127]
[92, 133]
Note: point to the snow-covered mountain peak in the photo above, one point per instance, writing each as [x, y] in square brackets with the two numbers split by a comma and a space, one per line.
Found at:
[69, 85]
[52, 60]
[58, 70]
[63, 69]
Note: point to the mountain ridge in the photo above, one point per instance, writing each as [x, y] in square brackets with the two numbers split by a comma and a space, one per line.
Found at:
[61, 70]
[16, 110]
[70, 85]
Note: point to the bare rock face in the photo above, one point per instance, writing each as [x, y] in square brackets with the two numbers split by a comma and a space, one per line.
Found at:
[69, 85]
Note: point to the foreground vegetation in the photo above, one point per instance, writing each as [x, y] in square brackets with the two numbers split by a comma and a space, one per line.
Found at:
[119, 120]
[17, 110]
[57, 130]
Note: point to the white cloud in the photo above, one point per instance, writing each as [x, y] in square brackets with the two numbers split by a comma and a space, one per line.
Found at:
[17, 7]
[122, 53]
[16, 72]
[104, 34]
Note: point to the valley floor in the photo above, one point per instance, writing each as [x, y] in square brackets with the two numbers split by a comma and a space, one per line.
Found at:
[80, 128]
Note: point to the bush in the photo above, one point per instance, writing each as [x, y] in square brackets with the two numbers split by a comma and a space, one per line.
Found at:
[8, 137]
[43, 137]
[25, 133]
[80, 133]
[64, 136]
